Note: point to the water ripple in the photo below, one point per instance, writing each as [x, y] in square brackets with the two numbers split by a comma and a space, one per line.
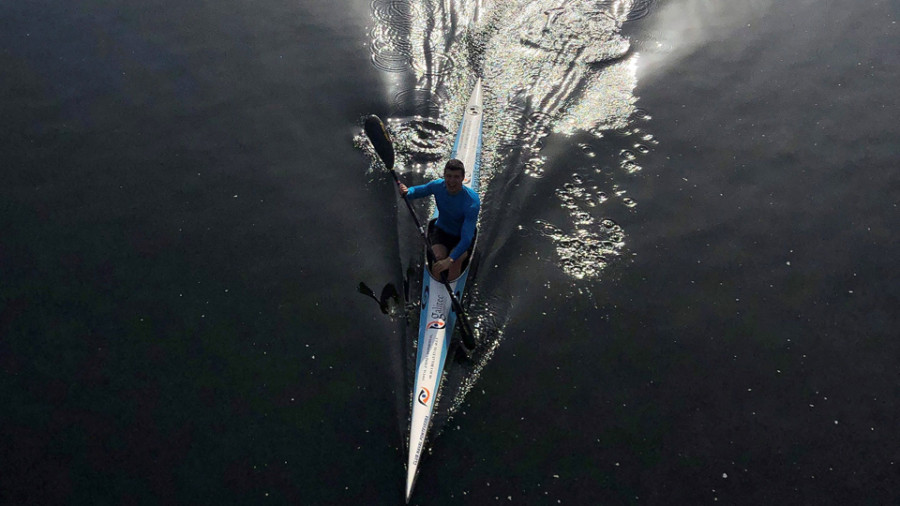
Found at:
[435, 64]
[640, 9]
[421, 102]
[396, 14]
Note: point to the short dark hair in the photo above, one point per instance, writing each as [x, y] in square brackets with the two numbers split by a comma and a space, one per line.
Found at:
[455, 164]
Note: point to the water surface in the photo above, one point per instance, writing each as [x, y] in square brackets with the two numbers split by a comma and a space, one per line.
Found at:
[687, 290]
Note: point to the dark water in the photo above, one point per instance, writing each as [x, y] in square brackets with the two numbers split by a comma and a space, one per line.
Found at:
[186, 218]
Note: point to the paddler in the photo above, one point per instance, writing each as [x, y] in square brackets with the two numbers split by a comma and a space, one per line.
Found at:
[458, 207]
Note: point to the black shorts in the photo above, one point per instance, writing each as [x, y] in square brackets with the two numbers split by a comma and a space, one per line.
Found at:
[438, 236]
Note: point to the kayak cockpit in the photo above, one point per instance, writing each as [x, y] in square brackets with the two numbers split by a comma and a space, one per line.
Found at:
[430, 257]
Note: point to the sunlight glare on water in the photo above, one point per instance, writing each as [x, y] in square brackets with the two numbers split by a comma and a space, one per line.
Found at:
[680, 28]
[548, 67]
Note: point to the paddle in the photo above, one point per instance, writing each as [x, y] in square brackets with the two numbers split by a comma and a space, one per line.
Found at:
[381, 141]
[389, 297]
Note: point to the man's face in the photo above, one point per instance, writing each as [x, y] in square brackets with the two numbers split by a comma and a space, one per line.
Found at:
[453, 179]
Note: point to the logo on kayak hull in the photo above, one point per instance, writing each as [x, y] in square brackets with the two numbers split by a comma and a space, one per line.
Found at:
[424, 396]
[436, 324]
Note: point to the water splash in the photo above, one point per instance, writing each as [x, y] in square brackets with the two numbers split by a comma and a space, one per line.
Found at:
[592, 242]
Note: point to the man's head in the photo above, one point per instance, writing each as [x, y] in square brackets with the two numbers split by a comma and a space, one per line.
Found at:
[454, 173]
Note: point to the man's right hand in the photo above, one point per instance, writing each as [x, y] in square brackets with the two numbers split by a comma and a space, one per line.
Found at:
[403, 189]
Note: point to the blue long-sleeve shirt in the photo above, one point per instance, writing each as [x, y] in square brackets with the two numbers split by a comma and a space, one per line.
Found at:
[457, 214]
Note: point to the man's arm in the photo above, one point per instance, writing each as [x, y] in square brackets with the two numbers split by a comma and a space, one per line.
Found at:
[423, 190]
[467, 234]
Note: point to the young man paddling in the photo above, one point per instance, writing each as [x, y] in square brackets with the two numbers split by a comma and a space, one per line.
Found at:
[458, 207]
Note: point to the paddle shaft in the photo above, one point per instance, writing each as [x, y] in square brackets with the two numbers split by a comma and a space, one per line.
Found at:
[412, 212]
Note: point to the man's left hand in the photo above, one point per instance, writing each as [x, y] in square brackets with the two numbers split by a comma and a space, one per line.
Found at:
[442, 265]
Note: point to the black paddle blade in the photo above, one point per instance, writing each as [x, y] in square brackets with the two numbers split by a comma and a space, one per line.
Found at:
[380, 140]
[365, 290]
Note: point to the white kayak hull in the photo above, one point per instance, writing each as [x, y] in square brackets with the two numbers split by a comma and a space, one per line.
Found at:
[437, 319]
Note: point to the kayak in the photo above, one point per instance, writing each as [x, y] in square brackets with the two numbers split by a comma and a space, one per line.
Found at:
[437, 320]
